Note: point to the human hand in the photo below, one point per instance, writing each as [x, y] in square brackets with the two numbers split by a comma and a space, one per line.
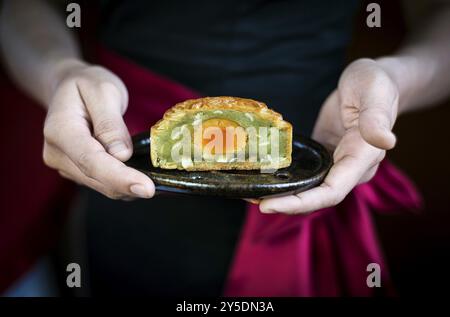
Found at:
[85, 137]
[355, 121]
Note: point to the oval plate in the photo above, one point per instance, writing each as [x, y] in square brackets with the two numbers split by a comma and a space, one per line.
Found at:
[310, 164]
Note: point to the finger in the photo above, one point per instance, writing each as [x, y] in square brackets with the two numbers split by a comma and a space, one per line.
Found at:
[370, 173]
[327, 130]
[375, 126]
[352, 158]
[343, 176]
[105, 105]
[369, 100]
[92, 160]
[67, 169]
[115, 174]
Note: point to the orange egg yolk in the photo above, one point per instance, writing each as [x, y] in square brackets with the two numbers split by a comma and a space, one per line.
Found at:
[236, 139]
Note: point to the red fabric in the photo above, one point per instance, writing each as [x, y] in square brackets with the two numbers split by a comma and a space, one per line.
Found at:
[32, 196]
[322, 254]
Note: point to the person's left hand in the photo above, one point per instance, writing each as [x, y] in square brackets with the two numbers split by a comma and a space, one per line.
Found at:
[355, 121]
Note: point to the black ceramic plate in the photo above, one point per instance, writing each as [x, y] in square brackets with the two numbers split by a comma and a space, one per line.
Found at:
[310, 164]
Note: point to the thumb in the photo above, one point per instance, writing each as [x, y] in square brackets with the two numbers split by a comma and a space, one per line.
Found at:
[105, 109]
[369, 100]
[376, 119]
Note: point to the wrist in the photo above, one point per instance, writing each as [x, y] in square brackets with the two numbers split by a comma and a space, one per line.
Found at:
[411, 75]
[401, 75]
[58, 69]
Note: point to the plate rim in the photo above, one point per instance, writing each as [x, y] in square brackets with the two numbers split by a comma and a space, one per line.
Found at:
[141, 144]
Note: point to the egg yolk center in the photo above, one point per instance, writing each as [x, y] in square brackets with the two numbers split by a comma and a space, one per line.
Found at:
[233, 136]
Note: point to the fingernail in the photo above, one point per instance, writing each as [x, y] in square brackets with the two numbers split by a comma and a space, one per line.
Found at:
[266, 210]
[139, 190]
[117, 147]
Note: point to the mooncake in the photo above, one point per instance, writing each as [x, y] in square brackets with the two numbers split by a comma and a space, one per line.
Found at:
[221, 133]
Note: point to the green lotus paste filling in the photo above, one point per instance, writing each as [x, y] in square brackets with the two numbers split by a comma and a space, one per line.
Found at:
[166, 141]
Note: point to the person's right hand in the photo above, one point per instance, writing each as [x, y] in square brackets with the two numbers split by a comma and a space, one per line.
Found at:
[86, 139]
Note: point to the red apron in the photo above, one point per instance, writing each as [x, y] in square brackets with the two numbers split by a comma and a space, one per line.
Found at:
[322, 254]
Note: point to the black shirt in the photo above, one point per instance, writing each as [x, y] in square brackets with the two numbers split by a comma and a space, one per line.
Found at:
[288, 54]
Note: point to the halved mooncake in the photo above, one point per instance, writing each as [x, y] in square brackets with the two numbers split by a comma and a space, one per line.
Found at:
[221, 133]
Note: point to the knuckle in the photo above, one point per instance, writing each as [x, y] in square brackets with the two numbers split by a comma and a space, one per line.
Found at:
[48, 158]
[109, 88]
[337, 198]
[367, 73]
[105, 125]
[54, 127]
[334, 195]
[49, 131]
[106, 129]
[381, 157]
[96, 69]
[82, 81]
[85, 164]
[69, 82]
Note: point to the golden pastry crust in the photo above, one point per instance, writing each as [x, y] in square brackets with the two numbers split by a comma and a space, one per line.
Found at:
[220, 103]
